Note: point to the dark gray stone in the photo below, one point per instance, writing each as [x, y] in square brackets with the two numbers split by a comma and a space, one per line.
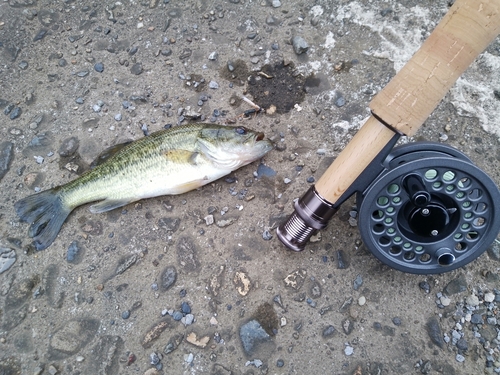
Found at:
[494, 251]
[329, 331]
[106, 355]
[168, 278]
[6, 154]
[16, 112]
[74, 254]
[253, 337]
[476, 319]
[456, 285]
[69, 146]
[434, 331]
[170, 224]
[136, 69]
[462, 344]
[187, 254]
[73, 336]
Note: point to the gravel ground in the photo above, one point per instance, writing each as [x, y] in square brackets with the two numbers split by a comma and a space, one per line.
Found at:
[199, 283]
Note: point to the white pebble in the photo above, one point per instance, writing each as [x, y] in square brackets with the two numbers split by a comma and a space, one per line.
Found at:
[445, 301]
[472, 300]
[361, 300]
[39, 159]
[118, 117]
[460, 358]
[489, 297]
[188, 319]
[349, 350]
[287, 180]
[276, 3]
[188, 357]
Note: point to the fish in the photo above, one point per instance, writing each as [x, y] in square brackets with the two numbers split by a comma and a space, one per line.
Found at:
[167, 162]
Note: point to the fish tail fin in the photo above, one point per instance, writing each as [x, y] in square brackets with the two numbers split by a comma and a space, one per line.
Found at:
[46, 212]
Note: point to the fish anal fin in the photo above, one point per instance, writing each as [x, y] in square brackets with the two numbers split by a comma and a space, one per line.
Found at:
[108, 205]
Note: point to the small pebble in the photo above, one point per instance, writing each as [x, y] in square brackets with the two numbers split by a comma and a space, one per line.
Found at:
[213, 85]
[445, 301]
[425, 286]
[472, 300]
[177, 315]
[185, 308]
[489, 297]
[154, 359]
[266, 235]
[358, 282]
[340, 102]
[348, 350]
[126, 314]
[118, 117]
[300, 46]
[280, 363]
[188, 319]
[16, 112]
[361, 300]
[99, 67]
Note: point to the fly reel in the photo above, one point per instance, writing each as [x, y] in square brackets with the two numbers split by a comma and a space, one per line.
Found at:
[430, 210]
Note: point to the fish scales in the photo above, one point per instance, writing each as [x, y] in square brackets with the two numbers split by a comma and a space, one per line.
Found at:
[138, 168]
[171, 161]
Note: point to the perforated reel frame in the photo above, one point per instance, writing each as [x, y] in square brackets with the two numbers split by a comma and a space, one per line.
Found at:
[396, 232]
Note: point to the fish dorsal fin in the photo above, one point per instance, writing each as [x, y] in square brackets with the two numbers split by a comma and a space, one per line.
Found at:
[108, 153]
[108, 205]
[182, 156]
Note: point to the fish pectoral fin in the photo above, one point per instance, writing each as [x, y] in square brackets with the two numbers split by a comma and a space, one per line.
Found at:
[182, 156]
[108, 205]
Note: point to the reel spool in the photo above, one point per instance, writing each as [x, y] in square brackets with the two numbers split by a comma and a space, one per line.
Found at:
[430, 210]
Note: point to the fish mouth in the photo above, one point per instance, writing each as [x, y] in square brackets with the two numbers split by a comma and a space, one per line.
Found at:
[259, 137]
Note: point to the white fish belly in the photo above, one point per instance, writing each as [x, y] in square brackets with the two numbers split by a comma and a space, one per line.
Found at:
[178, 181]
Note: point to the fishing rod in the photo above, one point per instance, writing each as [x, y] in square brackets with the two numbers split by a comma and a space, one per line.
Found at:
[423, 207]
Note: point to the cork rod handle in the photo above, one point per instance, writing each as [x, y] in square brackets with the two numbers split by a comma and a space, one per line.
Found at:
[416, 90]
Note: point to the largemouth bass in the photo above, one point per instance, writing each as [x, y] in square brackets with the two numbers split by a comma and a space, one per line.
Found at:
[167, 162]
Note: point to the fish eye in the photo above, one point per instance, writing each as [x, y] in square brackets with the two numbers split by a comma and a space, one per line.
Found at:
[240, 130]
